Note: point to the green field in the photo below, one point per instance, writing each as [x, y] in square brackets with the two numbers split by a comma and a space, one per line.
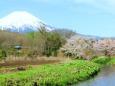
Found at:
[52, 75]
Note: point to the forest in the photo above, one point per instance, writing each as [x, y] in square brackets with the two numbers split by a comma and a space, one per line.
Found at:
[60, 42]
[32, 44]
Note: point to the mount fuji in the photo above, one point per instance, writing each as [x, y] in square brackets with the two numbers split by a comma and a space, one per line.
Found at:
[21, 21]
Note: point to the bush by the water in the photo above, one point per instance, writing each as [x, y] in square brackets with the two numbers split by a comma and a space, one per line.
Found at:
[104, 60]
[112, 62]
[52, 75]
[101, 60]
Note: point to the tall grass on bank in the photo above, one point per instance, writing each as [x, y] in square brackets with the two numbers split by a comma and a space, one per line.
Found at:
[111, 62]
[101, 60]
[104, 60]
[52, 75]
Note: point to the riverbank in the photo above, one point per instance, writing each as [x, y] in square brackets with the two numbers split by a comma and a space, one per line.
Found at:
[104, 60]
[105, 77]
[52, 75]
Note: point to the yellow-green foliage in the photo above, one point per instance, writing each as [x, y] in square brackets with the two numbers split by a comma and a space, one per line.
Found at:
[101, 60]
[104, 60]
[52, 75]
[112, 61]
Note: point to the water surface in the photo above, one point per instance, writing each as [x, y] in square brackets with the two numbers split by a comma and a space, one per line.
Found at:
[106, 77]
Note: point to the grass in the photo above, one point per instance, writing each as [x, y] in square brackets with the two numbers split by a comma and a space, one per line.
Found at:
[101, 60]
[52, 75]
[111, 62]
[104, 60]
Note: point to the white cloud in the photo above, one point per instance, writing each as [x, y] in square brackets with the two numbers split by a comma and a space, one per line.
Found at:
[47, 1]
[95, 1]
[107, 5]
[84, 1]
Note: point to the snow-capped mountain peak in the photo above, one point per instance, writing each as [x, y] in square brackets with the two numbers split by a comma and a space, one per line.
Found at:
[21, 21]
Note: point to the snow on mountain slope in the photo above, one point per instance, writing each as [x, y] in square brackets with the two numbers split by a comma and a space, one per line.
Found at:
[21, 21]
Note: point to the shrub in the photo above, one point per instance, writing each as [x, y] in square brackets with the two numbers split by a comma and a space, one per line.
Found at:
[111, 62]
[101, 60]
[2, 54]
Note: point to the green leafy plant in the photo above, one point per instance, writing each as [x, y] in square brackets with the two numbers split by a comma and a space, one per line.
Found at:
[52, 75]
[101, 60]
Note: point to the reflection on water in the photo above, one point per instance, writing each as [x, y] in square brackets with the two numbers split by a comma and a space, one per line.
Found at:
[106, 77]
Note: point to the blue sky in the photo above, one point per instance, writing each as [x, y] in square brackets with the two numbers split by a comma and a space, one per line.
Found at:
[90, 17]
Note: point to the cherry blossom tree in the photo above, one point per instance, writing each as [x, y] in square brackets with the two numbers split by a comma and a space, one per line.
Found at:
[105, 47]
[79, 46]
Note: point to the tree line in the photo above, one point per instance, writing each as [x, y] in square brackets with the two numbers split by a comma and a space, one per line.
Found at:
[83, 47]
[41, 43]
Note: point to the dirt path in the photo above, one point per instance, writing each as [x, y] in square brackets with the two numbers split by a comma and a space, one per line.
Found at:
[16, 63]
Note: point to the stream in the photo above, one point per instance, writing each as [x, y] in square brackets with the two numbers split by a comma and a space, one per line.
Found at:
[106, 77]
